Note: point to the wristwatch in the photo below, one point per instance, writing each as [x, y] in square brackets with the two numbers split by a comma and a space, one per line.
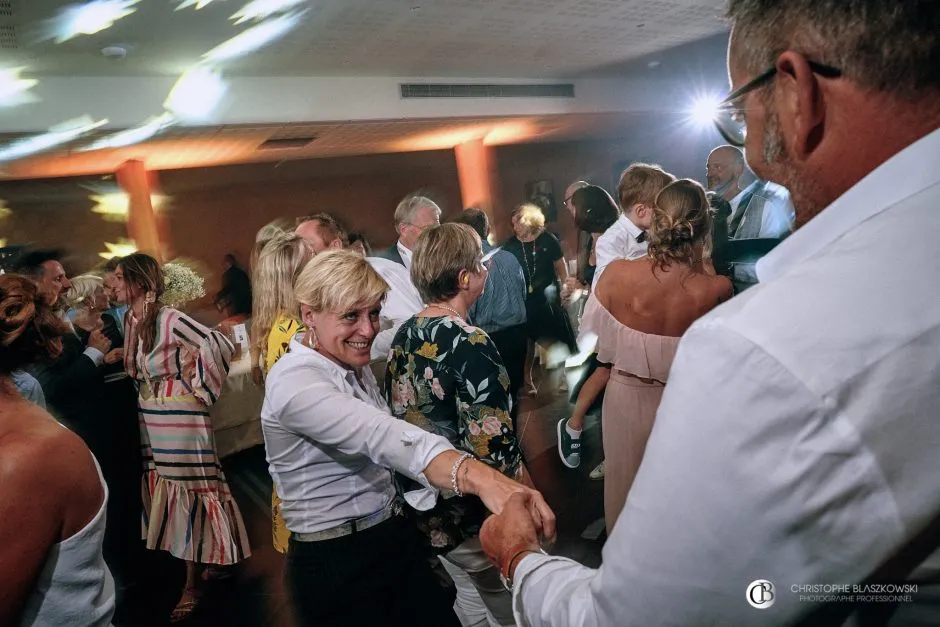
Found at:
[504, 573]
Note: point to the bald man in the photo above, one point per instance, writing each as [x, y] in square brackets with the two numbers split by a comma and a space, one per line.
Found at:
[759, 210]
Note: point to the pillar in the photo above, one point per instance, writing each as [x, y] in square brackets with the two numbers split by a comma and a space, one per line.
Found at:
[479, 183]
[142, 225]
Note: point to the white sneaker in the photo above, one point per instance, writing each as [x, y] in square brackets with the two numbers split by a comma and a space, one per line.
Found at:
[598, 473]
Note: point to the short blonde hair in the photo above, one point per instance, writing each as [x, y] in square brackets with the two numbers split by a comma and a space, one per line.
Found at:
[439, 255]
[531, 218]
[640, 184]
[83, 286]
[338, 281]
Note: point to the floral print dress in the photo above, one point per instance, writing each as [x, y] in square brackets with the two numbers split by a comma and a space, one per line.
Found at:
[447, 377]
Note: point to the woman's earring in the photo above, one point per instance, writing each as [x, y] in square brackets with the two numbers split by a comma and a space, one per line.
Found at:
[311, 333]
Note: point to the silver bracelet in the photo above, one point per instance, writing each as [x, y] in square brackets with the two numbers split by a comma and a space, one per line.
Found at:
[455, 470]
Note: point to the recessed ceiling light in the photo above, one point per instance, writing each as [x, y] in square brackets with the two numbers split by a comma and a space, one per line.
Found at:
[653, 64]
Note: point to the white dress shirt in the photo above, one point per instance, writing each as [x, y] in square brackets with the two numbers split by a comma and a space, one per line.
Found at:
[617, 242]
[797, 440]
[401, 303]
[405, 253]
[330, 442]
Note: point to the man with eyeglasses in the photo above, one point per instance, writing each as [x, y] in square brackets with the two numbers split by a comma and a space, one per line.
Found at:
[796, 444]
[413, 215]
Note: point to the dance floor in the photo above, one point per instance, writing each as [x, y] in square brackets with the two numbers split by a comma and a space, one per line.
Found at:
[255, 596]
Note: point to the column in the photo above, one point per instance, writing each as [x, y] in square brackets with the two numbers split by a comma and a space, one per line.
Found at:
[479, 183]
[142, 226]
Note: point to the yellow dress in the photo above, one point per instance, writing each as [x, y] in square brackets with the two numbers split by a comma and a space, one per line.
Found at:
[284, 329]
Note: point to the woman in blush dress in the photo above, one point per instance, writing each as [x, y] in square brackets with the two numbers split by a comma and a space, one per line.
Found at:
[639, 310]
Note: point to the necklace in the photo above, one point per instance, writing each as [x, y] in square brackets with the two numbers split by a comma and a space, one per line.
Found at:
[529, 270]
[446, 308]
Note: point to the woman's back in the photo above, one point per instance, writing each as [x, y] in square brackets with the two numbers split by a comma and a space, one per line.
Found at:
[55, 523]
[647, 298]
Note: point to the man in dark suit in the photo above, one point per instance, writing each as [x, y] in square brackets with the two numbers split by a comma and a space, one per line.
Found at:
[413, 215]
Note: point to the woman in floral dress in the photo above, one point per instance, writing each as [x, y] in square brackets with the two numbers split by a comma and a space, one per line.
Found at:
[447, 377]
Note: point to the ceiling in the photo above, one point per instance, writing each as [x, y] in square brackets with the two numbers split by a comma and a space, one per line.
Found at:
[468, 38]
[202, 147]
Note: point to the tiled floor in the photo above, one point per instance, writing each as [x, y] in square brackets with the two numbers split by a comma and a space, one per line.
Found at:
[255, 595]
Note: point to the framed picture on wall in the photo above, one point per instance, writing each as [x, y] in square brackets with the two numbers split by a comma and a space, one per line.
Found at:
[542, 194]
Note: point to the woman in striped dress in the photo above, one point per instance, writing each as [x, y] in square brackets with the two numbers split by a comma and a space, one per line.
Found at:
[179, 366]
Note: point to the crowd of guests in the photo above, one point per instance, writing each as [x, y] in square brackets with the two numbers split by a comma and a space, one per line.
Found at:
[765, 423]
[392, 385]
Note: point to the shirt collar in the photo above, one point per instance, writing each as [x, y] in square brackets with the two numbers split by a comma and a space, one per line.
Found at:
[905, 174]
[320, 361]
[405, 254]
[628, 224]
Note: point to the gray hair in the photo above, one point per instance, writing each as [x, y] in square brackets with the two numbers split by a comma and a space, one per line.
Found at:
[889, 46]
[407, 208]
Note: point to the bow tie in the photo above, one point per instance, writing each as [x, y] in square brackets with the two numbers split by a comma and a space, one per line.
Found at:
[641, 237]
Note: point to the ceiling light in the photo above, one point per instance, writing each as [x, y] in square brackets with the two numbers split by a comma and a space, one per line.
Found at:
[193, 3]
[260, 9]
[704, 110]
[5, 212]
[133, 135]
[89, 18]
[254, 38]
[13, 88]
[57, 135]
[196, 94]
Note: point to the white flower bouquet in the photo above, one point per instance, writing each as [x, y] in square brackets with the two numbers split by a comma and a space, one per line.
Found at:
[182, 284]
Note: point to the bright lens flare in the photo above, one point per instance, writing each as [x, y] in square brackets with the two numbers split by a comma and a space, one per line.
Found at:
[254, 38]
[13, 88]
[260, 9]
[89, 18]
[196, 94]
[704, 110]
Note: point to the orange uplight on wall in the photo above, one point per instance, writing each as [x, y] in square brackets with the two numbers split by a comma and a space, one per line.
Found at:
[122, 248]
[5, 212]
[492, 134]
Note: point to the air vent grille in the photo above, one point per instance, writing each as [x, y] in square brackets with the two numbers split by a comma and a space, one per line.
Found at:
[6, 8]
[8, 38]
[286, 143]
[470, 90]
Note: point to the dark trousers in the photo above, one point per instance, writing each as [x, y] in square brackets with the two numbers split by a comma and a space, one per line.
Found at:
[512, 344]
[380, 576]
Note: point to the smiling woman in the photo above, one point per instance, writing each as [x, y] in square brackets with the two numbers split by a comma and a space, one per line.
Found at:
[330, 443]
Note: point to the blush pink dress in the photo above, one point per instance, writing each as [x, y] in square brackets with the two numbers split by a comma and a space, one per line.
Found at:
[640, 365]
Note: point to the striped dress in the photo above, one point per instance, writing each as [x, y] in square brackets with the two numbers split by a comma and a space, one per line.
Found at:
[188, 507]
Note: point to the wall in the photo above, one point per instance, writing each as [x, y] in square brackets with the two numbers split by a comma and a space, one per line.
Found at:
[214, 211]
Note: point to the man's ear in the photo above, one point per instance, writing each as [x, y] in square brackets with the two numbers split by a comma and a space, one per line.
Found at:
[800, 103]
[336, 243]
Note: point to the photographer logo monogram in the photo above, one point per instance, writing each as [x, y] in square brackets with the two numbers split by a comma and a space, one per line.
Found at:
[761, 594]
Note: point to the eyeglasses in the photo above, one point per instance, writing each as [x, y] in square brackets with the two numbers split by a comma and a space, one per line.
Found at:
[730, 119]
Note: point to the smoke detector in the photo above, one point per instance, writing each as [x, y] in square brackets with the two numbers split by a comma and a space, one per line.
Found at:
[114, 53]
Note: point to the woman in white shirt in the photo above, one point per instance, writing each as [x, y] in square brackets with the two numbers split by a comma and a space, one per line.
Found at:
[331, 444]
